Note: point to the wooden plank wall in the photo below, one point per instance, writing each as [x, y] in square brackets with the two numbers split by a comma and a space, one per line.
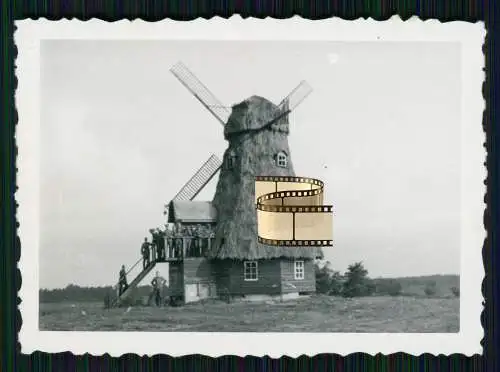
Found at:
[198, 270]
[222, 272]
[268, 280]
[289, 284]
[199, 279]
[275, 276]
[176, 278]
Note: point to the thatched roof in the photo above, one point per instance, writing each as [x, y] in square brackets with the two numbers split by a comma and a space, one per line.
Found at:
[191, 212]
[252, 114]
[234, 200]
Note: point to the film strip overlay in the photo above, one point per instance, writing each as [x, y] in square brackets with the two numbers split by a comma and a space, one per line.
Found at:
[290, 212]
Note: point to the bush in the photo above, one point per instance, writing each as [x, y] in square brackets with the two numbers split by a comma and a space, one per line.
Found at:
[336, 282]
[328, 281]
[455, 291]
[430, 289]
[322, 279]
[395, 289]
[357, 283]
[107, 301]
[389, 287]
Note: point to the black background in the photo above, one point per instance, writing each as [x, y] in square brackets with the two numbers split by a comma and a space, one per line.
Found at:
[10, 248]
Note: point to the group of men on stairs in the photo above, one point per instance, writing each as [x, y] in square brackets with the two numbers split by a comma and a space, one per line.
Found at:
[157, 284]
[156, 249]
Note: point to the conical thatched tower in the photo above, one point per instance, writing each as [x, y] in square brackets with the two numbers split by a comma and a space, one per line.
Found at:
[257, 147]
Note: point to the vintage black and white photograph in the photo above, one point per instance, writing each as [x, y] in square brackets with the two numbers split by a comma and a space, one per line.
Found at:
[277, 186]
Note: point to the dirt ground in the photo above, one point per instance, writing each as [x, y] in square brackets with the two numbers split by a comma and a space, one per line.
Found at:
[314, 314]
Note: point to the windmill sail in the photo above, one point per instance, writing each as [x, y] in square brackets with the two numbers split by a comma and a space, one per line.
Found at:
[199, 179]
[291, 101]
[201, 92]
[297, 95]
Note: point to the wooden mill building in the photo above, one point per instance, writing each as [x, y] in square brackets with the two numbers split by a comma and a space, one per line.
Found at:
[230, 261]
[235, 263]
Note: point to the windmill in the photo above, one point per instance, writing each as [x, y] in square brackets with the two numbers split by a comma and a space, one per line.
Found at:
[235, 125]
[257, 134]
[222, 114]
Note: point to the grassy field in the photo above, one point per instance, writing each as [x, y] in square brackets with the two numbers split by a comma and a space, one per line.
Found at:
[314, 314]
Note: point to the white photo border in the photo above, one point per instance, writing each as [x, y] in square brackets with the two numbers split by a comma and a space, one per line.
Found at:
[467, 341]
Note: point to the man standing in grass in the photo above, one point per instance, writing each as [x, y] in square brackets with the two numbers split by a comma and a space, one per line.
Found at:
[158, 283]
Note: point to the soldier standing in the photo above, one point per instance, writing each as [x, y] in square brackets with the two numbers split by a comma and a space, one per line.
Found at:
[157, 283]
[122, 282]
[153, 246]
[188, 231]
[198, 235]
[160, 244]
[178, 240]
[169, 240]
[145, 253]
[205, 236]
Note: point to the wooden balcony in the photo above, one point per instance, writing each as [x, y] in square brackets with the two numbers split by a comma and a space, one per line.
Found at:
[177, 249]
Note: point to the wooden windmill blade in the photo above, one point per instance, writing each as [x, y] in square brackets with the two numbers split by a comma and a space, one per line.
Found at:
[295, 98]
[291, 101]
[201, 92]
[199, 180]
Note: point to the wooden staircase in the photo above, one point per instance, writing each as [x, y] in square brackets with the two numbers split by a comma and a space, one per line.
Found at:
[133, 285]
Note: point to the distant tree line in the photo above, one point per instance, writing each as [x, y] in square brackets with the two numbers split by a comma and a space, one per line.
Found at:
[355, 282]
[75, 293]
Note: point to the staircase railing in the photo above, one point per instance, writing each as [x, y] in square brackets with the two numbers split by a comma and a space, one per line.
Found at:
[187, 246]
[117, 284]
[137, 280]
[129, 270]
[133, 266]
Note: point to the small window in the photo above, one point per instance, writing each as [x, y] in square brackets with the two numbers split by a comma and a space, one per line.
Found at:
[282, 159]
[299, 270]
[251, 270]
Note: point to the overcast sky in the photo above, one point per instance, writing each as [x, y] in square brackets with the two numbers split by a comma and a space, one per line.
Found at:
[120, 136]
